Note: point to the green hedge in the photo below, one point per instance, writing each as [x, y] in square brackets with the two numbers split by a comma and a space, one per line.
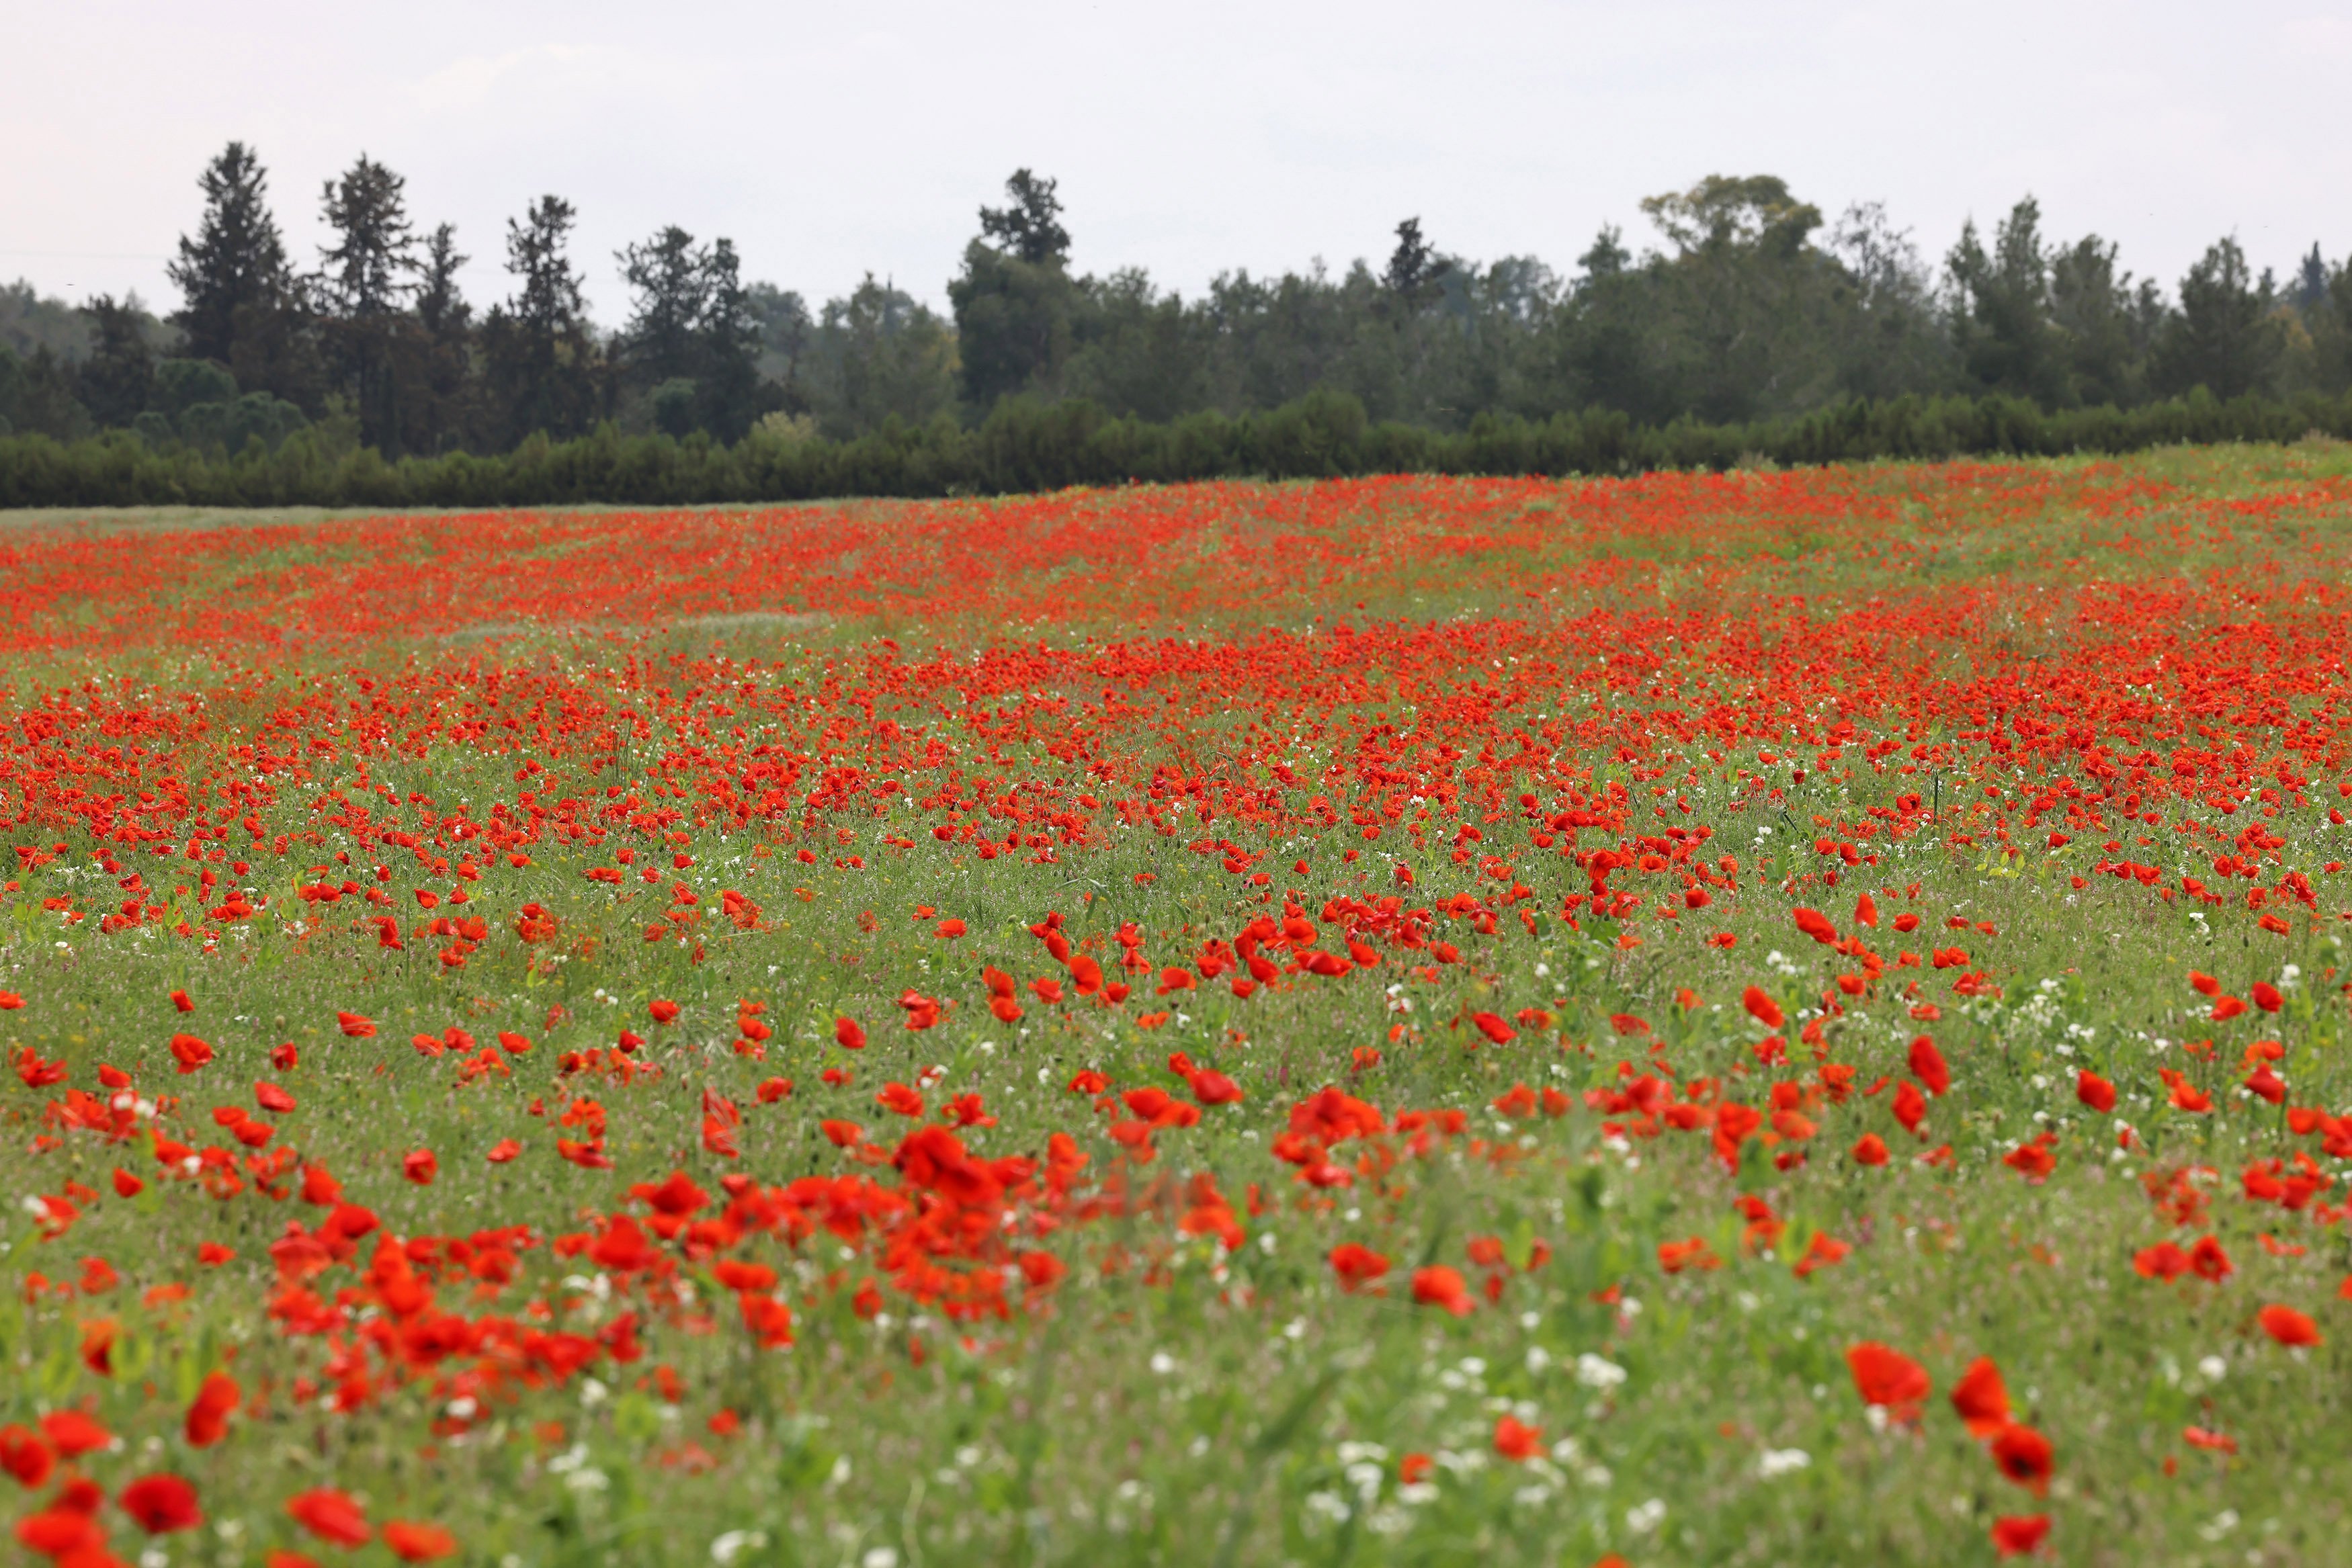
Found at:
[1025, 446]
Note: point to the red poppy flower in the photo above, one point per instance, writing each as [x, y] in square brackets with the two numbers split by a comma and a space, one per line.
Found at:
[1822, 1252]
[1517, 1441]
[1357, 1265]
[418, 1542]
[161, 1504]
[1927, 1066]
[1439, 1286]
[1211, 1087]
[2015, 1535]
[63, 1534]
[1981, 1398]
[2024, 1456]
[769, 1320]
[2291, 1328]
[330, 1515]
[217, 1399]
[1910, 1108]
[1889, 1379]
[24, 1455]
[1491, 1026]
[2033, 1161]
[72, 1434]
[1673, 1257]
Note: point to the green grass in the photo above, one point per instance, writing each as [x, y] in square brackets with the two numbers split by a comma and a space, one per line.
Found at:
[1169, 1401]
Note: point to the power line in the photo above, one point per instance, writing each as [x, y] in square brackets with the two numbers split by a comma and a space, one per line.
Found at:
[86, 255]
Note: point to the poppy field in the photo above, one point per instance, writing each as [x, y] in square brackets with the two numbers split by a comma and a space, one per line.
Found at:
[1761, 1018]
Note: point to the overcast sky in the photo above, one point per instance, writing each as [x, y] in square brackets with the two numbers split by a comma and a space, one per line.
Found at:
[830, 140]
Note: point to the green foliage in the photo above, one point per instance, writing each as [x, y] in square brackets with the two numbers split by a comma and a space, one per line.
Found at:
[28, 323]
[1013, 323]
[1029, 446]
[2003, 319]
[115, 382]
[879, 358]
[362, 289]
[2225, 338]
[241, 301]
[36, 396]
[1202, 1404]
[669, 286]
[542, 366]
[693, 325]
[1014, 301]
[182, 384]
[1753, 311]
[673, 406]
[237, 261]
[230, 427]
[1029, 226]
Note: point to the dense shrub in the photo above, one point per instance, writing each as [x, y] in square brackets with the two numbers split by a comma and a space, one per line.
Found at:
[1031, 446]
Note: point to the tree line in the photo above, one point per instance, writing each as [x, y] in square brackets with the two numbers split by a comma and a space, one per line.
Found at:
[1027, 445]
[1750, 312]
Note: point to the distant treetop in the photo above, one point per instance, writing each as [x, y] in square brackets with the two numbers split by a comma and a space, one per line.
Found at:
[1030, 227]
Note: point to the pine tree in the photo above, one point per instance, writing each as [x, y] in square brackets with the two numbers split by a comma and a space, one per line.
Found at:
[1014, 301]
[1414, 268]
[235, 269]
[115, 380]
[444, 322]
[2091, 305]
[1030, 227]
[542, 364]
[2001, 320]
[728, 342]
[362, 288]
[670, 276]
[2223, 337]
[2309, 291]
[549, 302]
